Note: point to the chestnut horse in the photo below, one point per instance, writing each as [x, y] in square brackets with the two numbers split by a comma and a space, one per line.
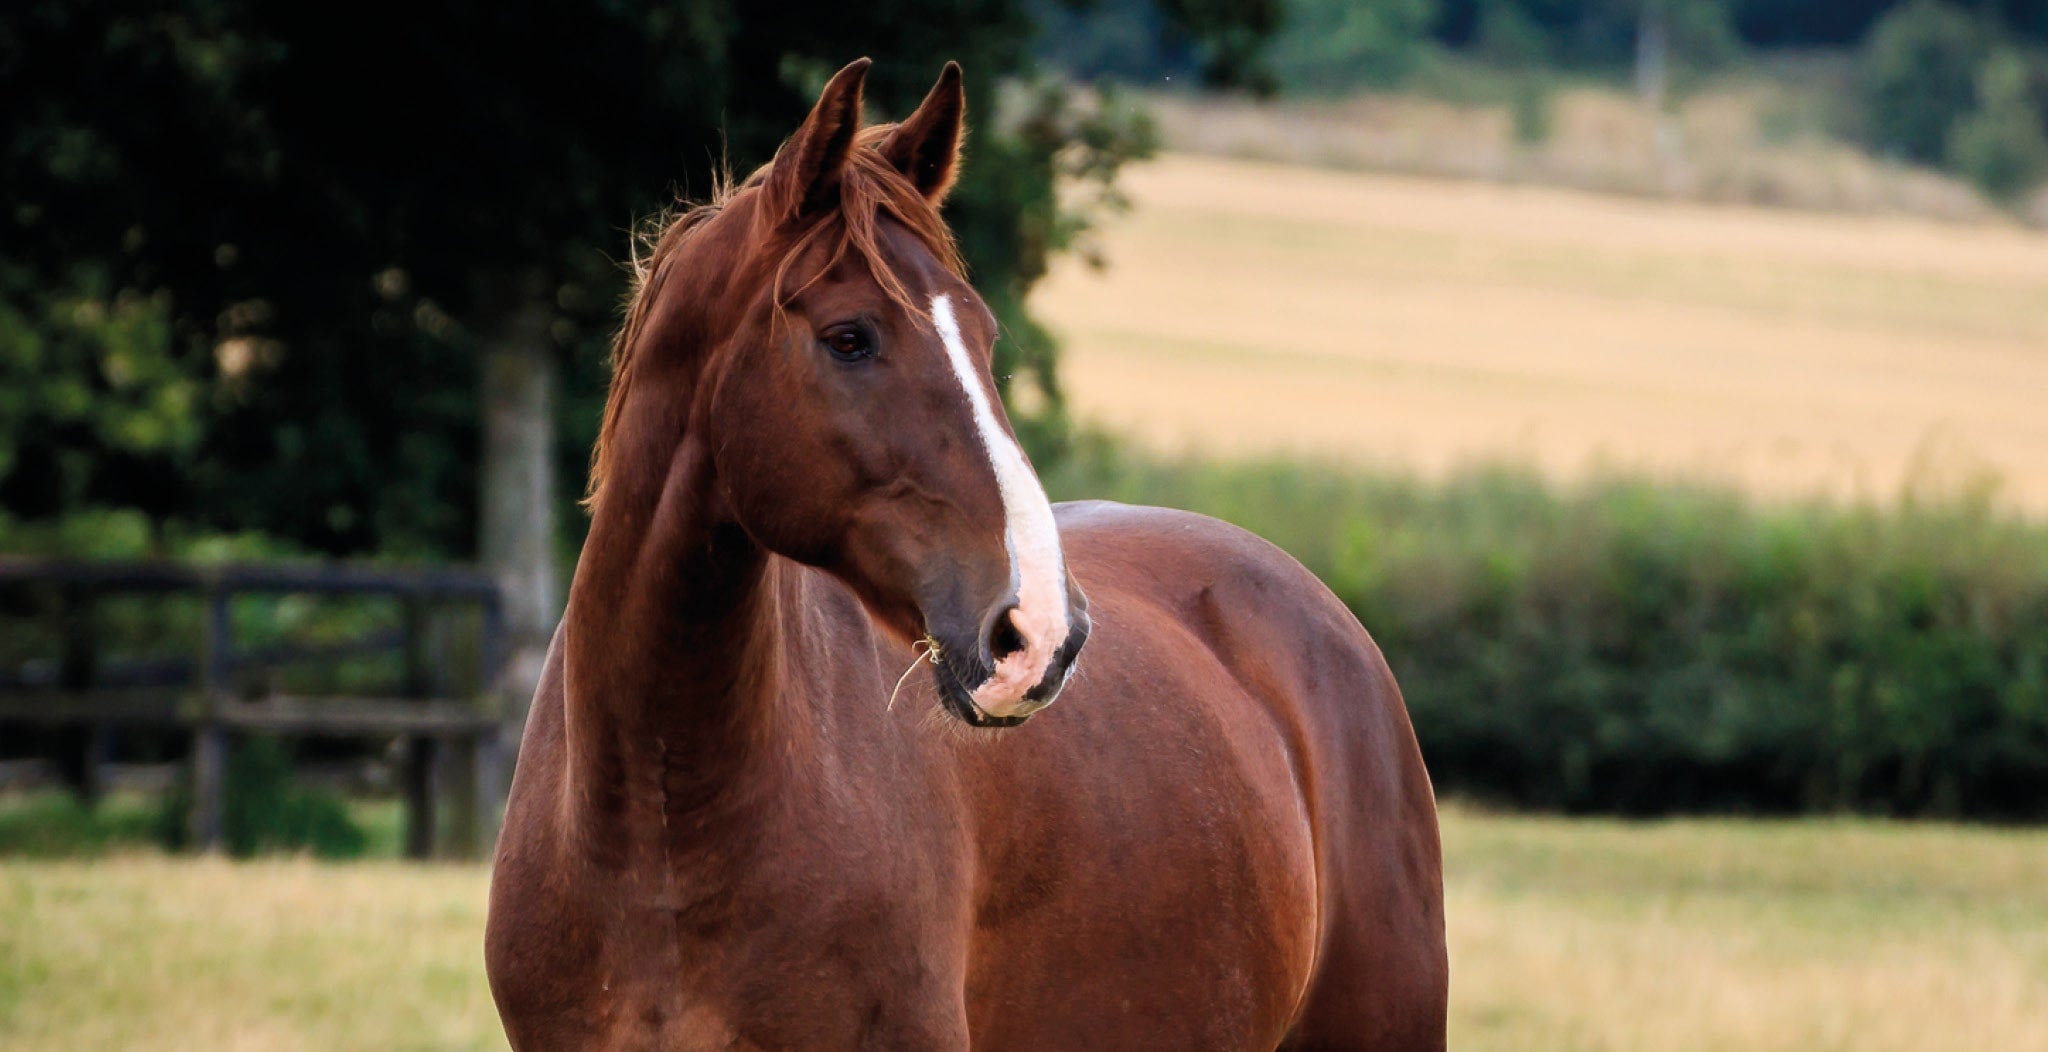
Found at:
[739, 824]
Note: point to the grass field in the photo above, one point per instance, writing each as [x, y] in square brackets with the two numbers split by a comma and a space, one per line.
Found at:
[1565, 934]
[1252, 307]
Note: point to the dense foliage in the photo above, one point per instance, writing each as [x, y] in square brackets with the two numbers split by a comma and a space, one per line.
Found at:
[264, 809]
[1327, 45]
[1634, 648]
[1919, 77]
[1940, 83]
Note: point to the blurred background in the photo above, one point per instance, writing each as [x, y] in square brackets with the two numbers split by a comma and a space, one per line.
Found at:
[1663, 382]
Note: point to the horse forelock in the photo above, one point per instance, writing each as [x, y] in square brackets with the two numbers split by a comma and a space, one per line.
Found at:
[870, 191]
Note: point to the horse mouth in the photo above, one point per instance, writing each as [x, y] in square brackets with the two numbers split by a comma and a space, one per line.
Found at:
[959, 702]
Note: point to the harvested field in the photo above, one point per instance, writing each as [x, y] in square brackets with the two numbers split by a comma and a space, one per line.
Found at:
[1259, 308]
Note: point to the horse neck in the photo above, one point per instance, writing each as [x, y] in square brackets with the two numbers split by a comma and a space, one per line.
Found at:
[676, 636]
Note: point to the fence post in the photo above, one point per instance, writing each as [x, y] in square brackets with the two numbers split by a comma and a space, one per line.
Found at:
[461, 766]
[499, 752]
[209, 738]
[489, 783]
[86, 750]
[422, 751]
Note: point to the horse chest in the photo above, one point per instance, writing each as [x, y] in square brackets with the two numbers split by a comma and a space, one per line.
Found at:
[780, 956]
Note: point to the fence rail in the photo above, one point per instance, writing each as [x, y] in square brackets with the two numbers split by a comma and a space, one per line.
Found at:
[455, 747]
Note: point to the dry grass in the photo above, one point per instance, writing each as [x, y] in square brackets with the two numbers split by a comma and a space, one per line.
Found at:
[1565, 934]
[1256, 308]
[146, 952]
[1800, 936]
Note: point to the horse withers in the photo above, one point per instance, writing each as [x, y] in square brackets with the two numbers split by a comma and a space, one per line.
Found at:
[1156, 788]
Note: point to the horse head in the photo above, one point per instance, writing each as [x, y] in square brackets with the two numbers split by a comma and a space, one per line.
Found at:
[812, 329]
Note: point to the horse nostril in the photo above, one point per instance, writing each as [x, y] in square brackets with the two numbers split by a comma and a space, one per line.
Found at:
[1003, 637]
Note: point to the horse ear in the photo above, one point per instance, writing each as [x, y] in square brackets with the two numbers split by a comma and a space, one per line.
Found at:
[805, 174]
[926, 146]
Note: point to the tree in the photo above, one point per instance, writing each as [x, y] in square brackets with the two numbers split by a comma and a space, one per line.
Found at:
[1917, 78]
[1832, 23]
[1218, 43]
[2003, 145]
[289, 267]
[1335, 44]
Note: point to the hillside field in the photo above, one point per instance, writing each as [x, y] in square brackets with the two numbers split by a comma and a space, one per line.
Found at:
[1565, 934]
[1392, 321]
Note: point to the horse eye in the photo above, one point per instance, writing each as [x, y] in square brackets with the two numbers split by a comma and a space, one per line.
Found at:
[848, 343]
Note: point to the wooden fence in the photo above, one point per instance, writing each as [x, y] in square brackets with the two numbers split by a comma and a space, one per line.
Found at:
[454, 737]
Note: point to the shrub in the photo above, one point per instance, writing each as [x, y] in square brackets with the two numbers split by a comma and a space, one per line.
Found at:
[2003, 146]
[57, 825]
[264, 810]
[1638, 648]
[1917, 78]
[1507, 36]
[1530, 111]
[1331, 45]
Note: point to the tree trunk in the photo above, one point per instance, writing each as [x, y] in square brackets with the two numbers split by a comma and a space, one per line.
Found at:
[1653, 84]
[517, 524]
[1653, 56]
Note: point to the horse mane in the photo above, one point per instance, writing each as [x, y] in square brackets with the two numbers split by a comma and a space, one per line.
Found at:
[869, 188]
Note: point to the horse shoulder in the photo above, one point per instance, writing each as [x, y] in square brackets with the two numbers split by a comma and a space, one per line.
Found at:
[1290, 642]
[1267, 619]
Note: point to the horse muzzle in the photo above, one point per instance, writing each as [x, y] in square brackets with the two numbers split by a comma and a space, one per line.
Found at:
[1010, 673]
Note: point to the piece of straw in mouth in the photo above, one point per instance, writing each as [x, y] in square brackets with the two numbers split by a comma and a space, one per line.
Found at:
[925, 648]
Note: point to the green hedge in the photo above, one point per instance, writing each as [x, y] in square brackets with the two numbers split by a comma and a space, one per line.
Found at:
[1633, 647]
[264, 810]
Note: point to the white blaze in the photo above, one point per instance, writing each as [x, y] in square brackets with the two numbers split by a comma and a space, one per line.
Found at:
[1037, 567]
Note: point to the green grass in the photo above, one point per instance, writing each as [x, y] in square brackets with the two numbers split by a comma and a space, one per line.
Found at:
[1566, 934]
[54, 825]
